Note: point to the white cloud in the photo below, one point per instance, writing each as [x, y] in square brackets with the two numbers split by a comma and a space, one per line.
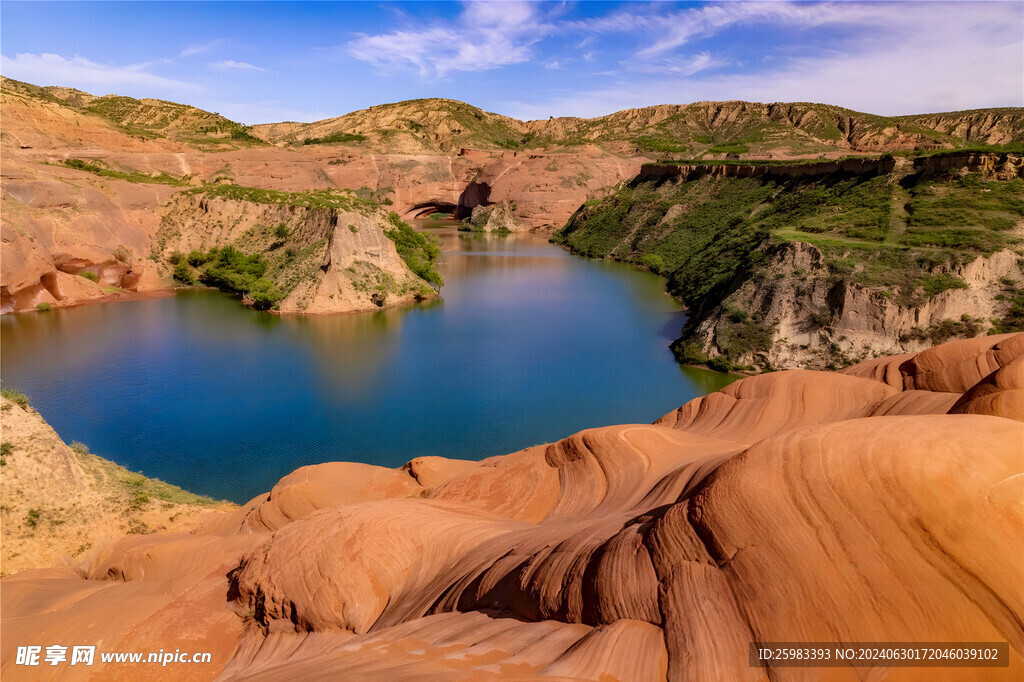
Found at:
[239, 66]
[485, 36]
[682, 66]
[200, 48]
[53, 69]
[896, 58]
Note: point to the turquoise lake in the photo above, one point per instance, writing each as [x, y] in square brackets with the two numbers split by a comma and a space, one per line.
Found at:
[528, 344]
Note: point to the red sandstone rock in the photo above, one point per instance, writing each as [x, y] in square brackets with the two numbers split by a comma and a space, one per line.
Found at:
[793, 506]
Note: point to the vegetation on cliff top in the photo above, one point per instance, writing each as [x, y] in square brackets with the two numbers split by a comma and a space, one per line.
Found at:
[160, 118]
[98, 168]
[707, 235]
[340, 199]
[267, 262]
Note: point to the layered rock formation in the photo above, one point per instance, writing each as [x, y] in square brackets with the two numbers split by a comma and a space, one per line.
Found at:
[324, 260]
[878, 504]
[416, 157]
[818, 321]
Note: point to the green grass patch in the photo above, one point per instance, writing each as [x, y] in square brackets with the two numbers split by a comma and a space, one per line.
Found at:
[341, 199]
[16, 397]
[131, 176]
[417, 250]
[334, 138]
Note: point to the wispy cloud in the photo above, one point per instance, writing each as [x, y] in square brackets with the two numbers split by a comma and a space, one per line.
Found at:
[200, 48]
[485, 36]
[238, 66]
[893, 58]
[682, 66]
[53, 69]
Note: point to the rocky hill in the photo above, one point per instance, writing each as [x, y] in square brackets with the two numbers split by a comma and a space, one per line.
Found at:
[822, 264]
[793, 506]
[85, 182]
[702, 130]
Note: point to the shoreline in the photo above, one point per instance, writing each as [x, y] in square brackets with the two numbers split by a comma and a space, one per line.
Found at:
[116, 297]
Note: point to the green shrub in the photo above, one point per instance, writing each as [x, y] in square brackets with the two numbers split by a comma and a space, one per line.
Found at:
[688, 353]
[43, 307]
[183, 273]
[91, 276]
[720, 364]
[418, 252]
[16, 397]
[231, 270]
[123, 255]
[79, 447]
[197, 257]
[281, 231]
[936, 284]
[1013, 320]
[32, 518]
[653, 262]
[335, 138]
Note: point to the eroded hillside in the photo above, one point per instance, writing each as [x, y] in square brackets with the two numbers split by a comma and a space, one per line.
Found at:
[822, 264]
[61, 503]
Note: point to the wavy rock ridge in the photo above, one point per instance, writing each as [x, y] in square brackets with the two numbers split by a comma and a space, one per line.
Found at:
[882, 503]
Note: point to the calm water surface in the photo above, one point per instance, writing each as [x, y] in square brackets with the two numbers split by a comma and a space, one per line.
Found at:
[528, 345]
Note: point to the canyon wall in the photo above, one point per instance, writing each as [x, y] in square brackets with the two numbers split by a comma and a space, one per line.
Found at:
[822, 264]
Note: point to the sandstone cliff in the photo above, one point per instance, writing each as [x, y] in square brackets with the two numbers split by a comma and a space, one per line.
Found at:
[877, 504]
[330, 259]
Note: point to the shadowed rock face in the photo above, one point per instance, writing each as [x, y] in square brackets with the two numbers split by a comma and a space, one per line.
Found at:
[878, 504]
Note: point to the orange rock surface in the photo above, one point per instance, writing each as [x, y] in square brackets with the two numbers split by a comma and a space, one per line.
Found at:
[881, 504]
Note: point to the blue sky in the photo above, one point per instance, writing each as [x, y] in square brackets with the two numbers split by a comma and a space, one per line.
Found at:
[273, 61]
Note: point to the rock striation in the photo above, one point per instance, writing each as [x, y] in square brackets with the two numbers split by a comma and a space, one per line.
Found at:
[882, 503]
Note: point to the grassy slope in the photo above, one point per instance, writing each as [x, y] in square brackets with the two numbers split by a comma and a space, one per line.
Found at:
[697, 130]
[51, 515]
[706, 235]
[148, 118]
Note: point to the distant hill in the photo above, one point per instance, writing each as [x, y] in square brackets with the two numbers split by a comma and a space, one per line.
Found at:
[700, 131]
[149, 118]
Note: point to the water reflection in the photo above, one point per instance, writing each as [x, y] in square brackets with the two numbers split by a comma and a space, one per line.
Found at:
[529, 344]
